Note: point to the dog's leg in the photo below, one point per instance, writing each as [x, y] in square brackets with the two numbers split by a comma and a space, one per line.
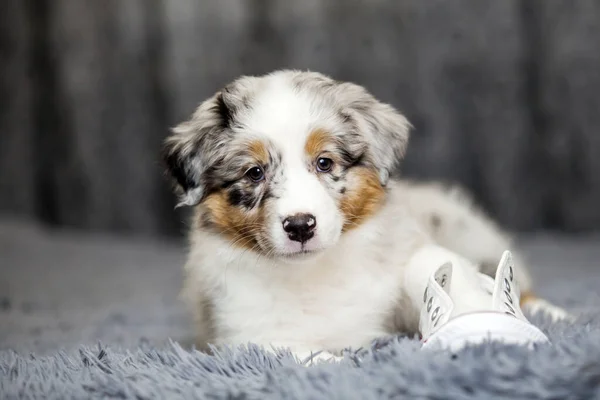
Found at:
[466, 290]
[455, 223]
[533, 304]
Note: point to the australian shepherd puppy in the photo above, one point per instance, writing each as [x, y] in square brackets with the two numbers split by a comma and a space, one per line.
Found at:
[301, 239]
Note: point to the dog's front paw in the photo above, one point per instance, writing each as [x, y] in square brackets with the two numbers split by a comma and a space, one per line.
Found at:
[309, 358]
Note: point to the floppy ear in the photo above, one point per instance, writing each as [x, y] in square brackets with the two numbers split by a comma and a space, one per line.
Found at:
[193, 147]
[180, 154]
[196, 146]
[384, 128]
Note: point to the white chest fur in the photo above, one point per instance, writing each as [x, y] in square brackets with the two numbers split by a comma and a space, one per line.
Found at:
[343, 297]
[337, 307]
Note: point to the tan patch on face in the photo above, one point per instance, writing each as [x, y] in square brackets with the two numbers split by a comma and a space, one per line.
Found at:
[363, 197]
[258, 151]
[317, 142]
[527, 297]
[243, 228]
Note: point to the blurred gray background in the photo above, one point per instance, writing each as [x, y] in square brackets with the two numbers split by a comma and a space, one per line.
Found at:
[503, 96]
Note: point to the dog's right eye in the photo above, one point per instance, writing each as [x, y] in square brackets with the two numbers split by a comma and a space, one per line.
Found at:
[324, 164]
[255, 174]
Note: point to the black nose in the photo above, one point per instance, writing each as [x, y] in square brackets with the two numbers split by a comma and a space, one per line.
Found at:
[300, 227]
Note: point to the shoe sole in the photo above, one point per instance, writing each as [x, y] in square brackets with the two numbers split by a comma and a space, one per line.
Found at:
[476, 328]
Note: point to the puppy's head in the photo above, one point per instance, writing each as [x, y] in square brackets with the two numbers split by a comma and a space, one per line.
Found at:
[285, 163]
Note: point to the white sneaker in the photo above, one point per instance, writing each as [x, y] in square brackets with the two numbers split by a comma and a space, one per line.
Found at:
[502, 320]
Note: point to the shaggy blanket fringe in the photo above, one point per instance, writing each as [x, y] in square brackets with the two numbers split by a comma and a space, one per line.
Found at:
[394, 368]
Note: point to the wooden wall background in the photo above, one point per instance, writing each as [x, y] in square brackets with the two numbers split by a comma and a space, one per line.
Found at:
[504, 96]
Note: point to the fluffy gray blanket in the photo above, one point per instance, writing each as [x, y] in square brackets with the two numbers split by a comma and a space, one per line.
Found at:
[64, 291]
[394, 368]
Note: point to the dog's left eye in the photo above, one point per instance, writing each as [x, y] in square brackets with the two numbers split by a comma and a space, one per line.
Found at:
[256, 174]
[324, 164]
